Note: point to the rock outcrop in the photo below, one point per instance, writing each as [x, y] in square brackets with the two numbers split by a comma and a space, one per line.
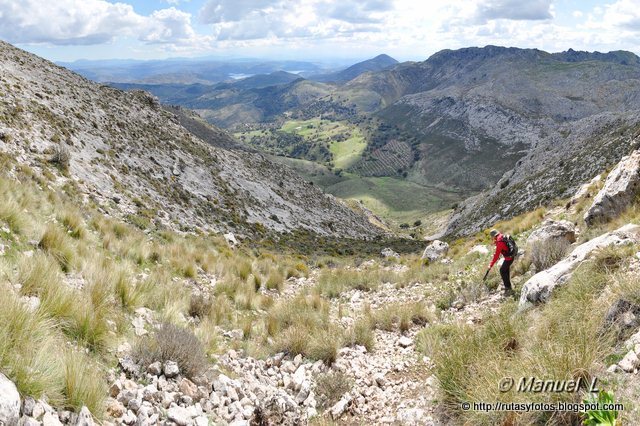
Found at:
[538, 288]
[435, 250]
[388, 253]
[9, 402]
[553, 229]
[620, 189]
[584, 190]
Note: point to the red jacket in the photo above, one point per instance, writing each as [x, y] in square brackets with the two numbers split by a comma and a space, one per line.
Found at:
[501, 249]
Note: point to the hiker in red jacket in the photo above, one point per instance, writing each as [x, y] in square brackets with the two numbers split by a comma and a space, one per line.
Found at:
[501, 249]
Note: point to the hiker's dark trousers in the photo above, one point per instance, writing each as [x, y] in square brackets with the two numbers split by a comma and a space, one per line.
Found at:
[505, 272]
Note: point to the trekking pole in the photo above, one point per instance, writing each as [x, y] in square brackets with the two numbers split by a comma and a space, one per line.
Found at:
[486, 275]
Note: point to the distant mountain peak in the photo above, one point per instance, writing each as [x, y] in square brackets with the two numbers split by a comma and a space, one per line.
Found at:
[379, 63]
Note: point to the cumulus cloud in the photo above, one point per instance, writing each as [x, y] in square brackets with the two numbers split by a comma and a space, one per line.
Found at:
[218, 11]
[169, 26]
[530, 10]
[624, 14]
[65, 21]
[86, 22]
[355, 11]
[279, 19]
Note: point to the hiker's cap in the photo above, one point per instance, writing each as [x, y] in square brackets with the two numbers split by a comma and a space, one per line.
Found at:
[493, 233]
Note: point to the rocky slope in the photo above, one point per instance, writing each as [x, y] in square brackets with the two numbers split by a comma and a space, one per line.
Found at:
[130, 156]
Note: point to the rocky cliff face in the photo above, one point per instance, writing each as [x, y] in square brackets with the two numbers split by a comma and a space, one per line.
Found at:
[125, 153]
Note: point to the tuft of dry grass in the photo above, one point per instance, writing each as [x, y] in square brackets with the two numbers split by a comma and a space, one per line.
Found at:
[83, 383]
[401, 316]
[58, 244]
[331, 283]
[173, 343]
[72, 220]
[360, 333]
[330, 387]
[200, 306]
[546, 253]
[302, 326]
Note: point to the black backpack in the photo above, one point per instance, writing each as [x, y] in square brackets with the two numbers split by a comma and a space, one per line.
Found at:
[512, 247]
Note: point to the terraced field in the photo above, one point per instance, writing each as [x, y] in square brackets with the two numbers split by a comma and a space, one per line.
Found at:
[393, 158]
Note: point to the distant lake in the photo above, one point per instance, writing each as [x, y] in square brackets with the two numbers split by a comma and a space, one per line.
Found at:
[239, 76]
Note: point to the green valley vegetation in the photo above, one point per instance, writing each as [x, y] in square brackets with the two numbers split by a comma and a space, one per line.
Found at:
[335, 144]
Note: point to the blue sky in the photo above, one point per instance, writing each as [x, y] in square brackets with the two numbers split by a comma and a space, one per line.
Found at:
[66, 30]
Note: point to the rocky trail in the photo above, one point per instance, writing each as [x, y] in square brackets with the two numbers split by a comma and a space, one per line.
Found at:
[391, 384]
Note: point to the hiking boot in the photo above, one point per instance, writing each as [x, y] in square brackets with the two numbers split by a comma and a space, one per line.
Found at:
[508, 292]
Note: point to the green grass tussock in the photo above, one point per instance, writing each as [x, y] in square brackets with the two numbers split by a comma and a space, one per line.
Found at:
[563, 341]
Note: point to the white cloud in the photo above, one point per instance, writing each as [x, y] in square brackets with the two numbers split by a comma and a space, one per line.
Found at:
[279, 19]
[86, 22]
[577, 14]
[169, 26]
[65, 21]
[530, 10]
[624, 14]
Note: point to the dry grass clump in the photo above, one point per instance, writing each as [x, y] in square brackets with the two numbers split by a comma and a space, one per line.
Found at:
[81, 314]
[330, 387]
[32, 355]
[436, 271]
[83, 383]
[58, 244]
[28, 349]
[611, 259]
[127, 293]
[10, 209]
[332, 283]
[275, 280]
[200, 306]
[36, 273]
[401, 316]
[72, 220]
[546, 253]
[302, 326]
[173, 343]
[520, 223]
[360, 333]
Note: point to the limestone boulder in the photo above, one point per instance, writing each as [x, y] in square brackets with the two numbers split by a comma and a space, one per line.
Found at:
[619, 191]
[553, 229]
[435, 250]
[538, 288]
[9, 402]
